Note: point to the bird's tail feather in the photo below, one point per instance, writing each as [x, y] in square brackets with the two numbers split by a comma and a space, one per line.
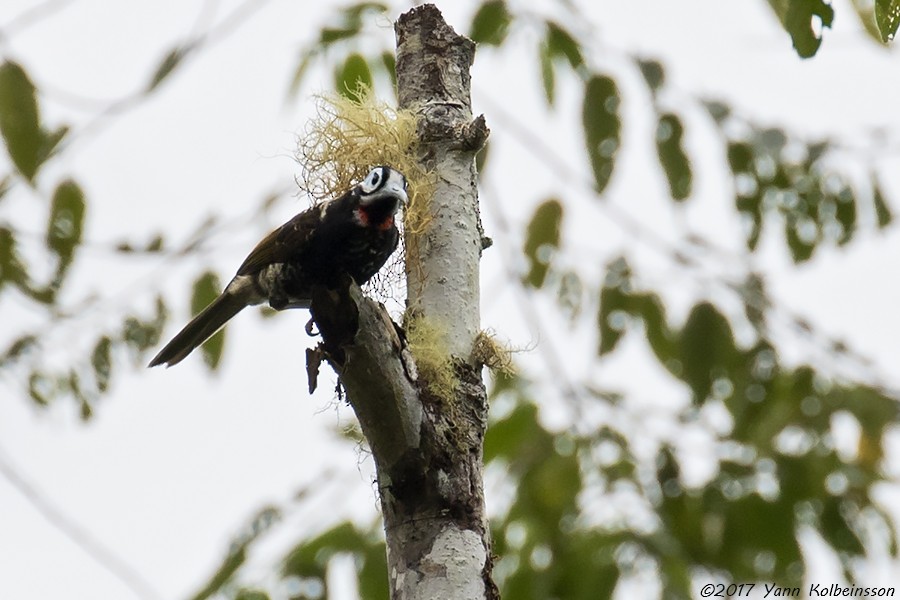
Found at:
[201, 327]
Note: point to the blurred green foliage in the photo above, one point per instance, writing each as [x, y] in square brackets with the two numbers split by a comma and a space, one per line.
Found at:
[776, 469]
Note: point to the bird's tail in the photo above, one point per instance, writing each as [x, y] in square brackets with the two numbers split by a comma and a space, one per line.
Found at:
[201, 327]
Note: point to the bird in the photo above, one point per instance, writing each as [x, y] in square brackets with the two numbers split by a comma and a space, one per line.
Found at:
[353, 234]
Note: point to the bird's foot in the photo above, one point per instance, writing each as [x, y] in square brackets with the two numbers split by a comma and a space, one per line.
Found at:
[310, 328]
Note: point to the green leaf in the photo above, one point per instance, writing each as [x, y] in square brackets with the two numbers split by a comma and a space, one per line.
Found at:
[675, 575]
[617, 304]
[770, 141]
[251, 595]
[752, 525]
[5, 184]
[136, 334]
[73, 386]
[17, 349]
[887, 17]
[651, 310]
[11, 269]
[41, 388]
[101, 361]
[490, 25]
[155, 244]
[548, 76]
[224, 573]
[613, 304]
[510, 436]
[719, 111]
[874, 410]
[549, 488]
[65, 226]
[19, 120]
[206, 289]
[756, 301]
[373, 579]
[224, 576]
[310, 557]
[557, 44]
[839, 534]
[674, 160]
[797, 17]
[865, 10]
[653, 73]
[352, 76]
[330, 35]
[562, 44]
[141, 335]
[882, 210]
[600, 116]
[748, 190]
[845, 212]
[352, 23]
[51, 142]
[570, 295]
[541, 240]
[752, 207]
[587, 567]
[801, 247]
[167, 66]
[389, 62]
[707, 349]
[740, 157]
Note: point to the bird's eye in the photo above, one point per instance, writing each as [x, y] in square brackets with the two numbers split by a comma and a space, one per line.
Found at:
[375, 176]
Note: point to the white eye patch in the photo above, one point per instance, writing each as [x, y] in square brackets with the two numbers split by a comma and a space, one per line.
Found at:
[372, 181]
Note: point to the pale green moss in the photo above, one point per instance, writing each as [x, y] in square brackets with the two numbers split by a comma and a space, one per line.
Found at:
[493, 354]
[427, 343]
[348, 137]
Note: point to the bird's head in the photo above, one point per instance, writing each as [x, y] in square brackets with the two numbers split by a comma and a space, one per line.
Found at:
[380, 195]
[383, 182]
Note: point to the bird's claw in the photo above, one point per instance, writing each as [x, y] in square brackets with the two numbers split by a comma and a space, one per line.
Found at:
[310, 331]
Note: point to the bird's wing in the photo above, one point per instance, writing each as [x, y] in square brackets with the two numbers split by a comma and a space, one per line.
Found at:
[289, 240]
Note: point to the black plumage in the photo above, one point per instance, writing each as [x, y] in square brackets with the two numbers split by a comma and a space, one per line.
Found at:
[353, 234]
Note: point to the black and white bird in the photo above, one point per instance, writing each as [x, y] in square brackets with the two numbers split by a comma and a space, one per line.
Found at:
[353, 234]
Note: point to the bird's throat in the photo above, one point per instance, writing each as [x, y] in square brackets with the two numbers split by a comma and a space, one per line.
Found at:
[374, 218]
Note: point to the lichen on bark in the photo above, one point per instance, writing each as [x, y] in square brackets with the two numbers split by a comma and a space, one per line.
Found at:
[427, 441]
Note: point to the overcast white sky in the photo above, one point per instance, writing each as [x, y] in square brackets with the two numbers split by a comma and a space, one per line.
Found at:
[174, 462]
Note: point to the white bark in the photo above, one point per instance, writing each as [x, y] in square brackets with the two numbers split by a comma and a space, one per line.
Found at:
[445, 280]
[427, 449]
[445, 572]
[435, 523]
[375, 369]
[442, 261]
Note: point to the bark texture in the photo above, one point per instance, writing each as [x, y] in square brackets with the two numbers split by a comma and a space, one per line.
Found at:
[442, 262]
[434, 504]
[428, 448]
[368, 352]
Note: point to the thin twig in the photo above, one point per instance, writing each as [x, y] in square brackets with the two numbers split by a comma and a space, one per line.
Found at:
[81, 537]
[31, 16]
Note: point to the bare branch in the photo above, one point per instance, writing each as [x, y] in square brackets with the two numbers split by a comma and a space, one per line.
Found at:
[363, 345]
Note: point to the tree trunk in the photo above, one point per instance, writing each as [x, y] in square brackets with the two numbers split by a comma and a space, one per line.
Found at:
[427, 445]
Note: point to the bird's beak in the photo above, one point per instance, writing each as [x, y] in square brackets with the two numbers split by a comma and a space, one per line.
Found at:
[401, 193]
